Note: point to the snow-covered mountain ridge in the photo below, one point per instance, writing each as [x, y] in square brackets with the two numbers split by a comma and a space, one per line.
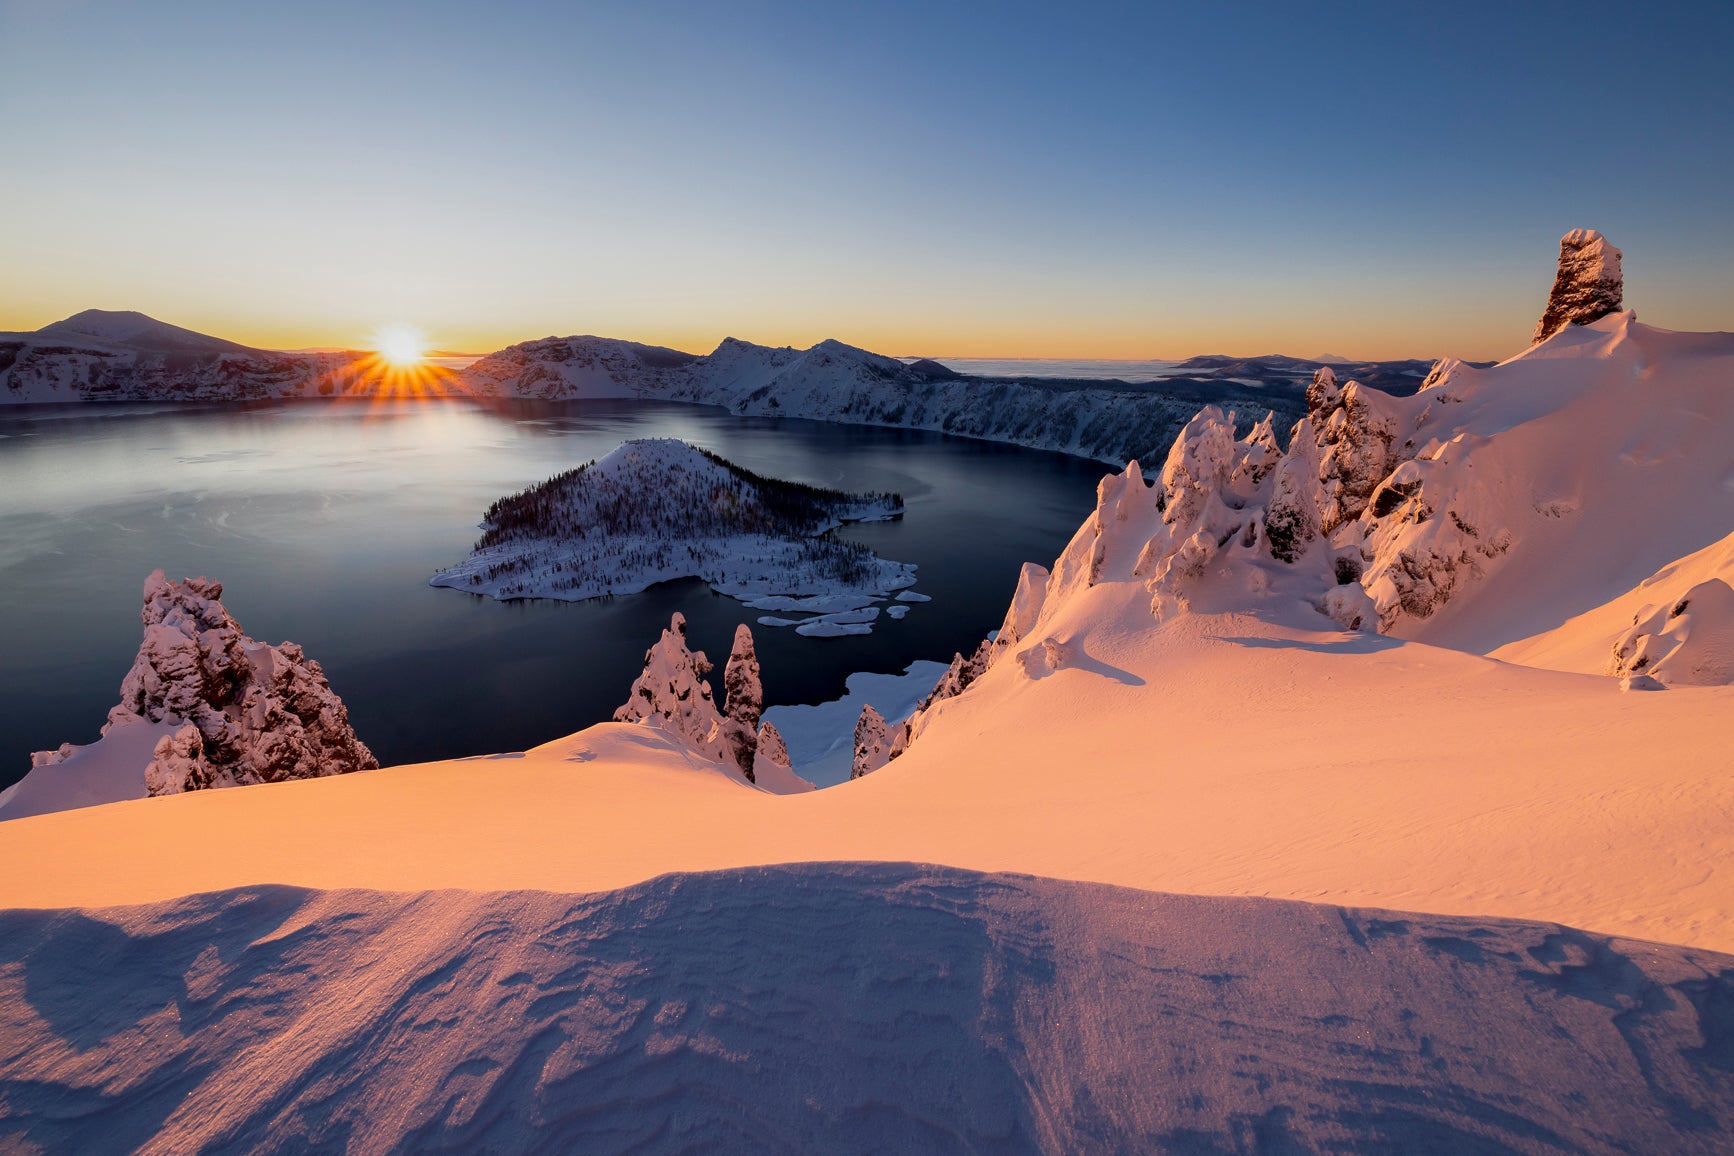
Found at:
[100, 355]
[120, 356]
[835, 382]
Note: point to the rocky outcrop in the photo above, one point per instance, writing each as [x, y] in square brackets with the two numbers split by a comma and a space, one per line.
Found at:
[248, 712]
[1588, 287]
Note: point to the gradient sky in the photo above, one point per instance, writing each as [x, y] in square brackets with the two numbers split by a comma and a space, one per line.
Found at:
[1000, 179]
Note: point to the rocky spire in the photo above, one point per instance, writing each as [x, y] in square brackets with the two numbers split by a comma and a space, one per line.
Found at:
[1588, 286]
[252, 713]
[872, 743]
[1323, 393]
[743, 699]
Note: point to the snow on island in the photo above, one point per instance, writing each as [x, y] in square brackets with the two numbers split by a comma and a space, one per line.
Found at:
[657, 509]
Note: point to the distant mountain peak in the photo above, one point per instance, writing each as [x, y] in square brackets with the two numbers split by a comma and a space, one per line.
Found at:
[139, 331]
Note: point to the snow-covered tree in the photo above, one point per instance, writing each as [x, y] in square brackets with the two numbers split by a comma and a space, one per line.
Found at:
[872, 743]
[743, 699]
[772, 747]
[251, 713]
[672, 694]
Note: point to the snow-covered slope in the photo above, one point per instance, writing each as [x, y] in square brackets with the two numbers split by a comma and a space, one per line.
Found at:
[846, 1008]
[1676, 626]
[575, 368]
[1490, 506]
[1209, 754]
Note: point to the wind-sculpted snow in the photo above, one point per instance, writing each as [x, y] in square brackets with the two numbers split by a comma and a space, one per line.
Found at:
[1676, 627]
[658, 509]
[837, 1007]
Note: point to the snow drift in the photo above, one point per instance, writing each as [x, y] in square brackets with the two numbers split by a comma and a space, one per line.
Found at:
[890, 1008]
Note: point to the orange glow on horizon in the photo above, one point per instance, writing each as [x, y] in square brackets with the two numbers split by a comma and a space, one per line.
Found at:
[401, 346]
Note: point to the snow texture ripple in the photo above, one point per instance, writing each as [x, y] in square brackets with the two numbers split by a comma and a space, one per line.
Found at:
[847, 1008]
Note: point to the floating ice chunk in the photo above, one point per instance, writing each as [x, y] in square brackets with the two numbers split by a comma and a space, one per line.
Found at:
[816, 604]
[825, 628]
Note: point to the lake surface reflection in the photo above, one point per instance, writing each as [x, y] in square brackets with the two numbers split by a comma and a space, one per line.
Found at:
[325, 520]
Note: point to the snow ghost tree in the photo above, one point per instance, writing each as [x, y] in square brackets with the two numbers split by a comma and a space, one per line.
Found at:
[743, 699]
[872, 743]
[1588, 287]
[673, 694]
[249, 713]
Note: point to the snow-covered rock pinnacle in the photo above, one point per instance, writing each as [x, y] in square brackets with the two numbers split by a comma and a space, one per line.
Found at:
[872, 743]
[1588, 287]
[248, 712]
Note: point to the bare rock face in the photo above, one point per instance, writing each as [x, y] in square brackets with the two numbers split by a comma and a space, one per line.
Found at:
[1588, 287]
[253, 713]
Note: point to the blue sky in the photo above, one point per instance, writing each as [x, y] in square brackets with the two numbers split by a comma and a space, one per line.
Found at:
[950, 179]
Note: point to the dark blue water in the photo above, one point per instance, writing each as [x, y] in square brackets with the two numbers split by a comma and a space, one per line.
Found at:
[325, 520]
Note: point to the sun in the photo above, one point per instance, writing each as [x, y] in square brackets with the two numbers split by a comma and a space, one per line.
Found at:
[401, 346]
